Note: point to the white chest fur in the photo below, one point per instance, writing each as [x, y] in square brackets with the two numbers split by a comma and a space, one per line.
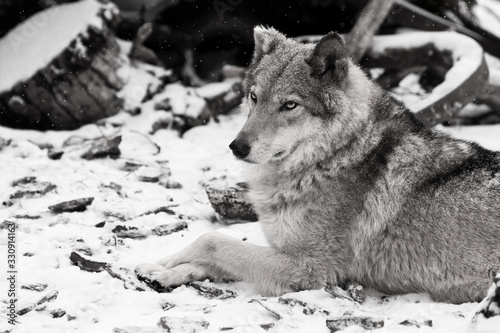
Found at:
[275, 201]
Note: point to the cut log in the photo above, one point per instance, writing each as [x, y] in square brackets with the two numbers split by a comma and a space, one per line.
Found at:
[61, 78]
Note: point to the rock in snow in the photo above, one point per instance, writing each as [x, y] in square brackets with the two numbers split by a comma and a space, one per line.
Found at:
[229, 201]
[103, 147]
[129, 232]
[29, 187]
[336, 325]
[86, 264]
[167, 229]
[77, 205]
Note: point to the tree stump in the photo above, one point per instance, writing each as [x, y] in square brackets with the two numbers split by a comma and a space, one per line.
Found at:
[60, 68]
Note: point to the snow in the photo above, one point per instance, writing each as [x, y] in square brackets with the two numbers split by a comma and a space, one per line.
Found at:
[494, 68]
[215, 89]
[42, 35]
[96, 302]
[101, 303]
[487, 136]
[409, 90]
[488, 15]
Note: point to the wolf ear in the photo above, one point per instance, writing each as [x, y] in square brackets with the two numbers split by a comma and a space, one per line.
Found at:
[266, 40]
[330, 57]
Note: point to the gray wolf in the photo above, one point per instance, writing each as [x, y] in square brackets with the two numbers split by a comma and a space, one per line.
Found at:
[349, 186]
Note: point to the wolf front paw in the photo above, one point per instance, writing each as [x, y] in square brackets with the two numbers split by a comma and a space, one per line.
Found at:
[155, 285]
[155, 280]
[161, 279]
[146, 269]
[146, 273]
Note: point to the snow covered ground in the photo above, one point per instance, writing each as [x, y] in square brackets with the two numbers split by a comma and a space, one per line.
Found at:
[98, 302]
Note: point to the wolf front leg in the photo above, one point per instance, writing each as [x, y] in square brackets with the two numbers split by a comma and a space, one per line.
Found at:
[274, 271]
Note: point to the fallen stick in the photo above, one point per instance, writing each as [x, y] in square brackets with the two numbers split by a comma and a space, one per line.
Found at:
[274, 313]
[96, 266]
[369, 20]
[212, 292]
[47, 298]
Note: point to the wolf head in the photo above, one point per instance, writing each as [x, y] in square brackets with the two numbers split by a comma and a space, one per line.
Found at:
[293, 92]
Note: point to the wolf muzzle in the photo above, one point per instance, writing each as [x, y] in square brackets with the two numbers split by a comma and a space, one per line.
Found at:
[240, 148]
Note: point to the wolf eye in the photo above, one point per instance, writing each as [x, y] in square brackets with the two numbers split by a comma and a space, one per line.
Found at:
[253, 97]
[290, 105]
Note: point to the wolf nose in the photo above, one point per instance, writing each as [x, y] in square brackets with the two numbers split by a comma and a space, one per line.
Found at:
[240, 148]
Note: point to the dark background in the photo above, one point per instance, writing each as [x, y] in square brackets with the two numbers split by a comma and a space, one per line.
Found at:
[220, 31]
